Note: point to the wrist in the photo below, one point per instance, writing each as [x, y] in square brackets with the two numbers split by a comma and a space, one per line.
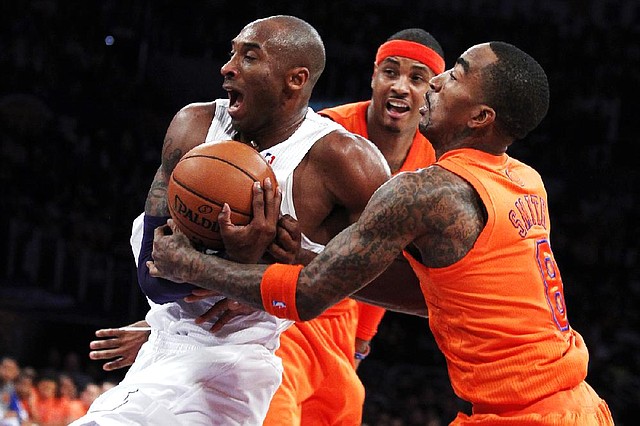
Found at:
[362, 352]
[278, 290]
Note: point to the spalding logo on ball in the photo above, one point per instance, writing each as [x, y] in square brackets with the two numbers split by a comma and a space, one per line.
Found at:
[208, 176]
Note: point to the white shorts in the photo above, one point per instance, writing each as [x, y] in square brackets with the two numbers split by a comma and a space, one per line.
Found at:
[173, 383]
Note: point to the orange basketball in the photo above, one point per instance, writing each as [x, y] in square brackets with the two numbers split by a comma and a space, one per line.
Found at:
[208, 176]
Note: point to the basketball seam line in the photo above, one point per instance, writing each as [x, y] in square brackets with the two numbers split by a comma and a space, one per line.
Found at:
[186, 188]
[224, 161]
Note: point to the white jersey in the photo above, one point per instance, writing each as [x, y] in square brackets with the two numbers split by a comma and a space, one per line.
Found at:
[186, 375]
[259, 327]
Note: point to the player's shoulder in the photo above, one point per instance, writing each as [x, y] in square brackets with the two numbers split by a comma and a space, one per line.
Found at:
[342, 144]
[196, 111]
[347, 157]
[190, 124]
[344, 111]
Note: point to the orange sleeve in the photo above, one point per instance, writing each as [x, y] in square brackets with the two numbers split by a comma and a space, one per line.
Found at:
[369, 318]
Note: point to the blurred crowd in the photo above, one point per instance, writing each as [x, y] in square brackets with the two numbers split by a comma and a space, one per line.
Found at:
[49, 397]
[87, 92]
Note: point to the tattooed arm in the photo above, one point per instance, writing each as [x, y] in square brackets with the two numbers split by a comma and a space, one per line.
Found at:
[187, 129]
[406, 296]
[433, 209]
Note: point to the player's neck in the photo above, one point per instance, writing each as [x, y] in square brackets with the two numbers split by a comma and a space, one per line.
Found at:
[271, 135]
[394, 145]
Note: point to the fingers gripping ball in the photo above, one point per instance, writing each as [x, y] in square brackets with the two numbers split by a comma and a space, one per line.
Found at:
[208, 176]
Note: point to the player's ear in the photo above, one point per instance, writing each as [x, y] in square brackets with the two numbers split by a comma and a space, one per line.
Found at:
[483, 116]
[298, 77]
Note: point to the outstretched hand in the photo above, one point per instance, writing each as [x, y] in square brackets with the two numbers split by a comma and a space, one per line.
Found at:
[118, 347]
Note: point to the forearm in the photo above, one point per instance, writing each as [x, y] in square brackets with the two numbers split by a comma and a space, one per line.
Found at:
[244, 283]
[351, 260]
[346, 265]
[396, 289]
[417, 309]
[238, 282]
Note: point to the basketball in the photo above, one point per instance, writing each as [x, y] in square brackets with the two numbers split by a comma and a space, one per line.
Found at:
[208, 176]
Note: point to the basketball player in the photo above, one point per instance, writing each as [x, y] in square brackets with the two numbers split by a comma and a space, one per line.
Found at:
[403, 66]
[319, 355]
[185, 374]
[312, 375]
[478, 221]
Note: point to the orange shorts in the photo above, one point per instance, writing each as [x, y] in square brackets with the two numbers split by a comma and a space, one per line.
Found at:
[319, 384]
[578, 406]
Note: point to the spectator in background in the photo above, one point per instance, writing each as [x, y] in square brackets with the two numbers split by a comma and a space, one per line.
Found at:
[21, 402]
[9, 370]
[106, 385]
[79, 406]
[51, 408]
[67, 387]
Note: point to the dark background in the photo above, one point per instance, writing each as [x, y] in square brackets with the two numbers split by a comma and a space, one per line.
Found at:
[82, 122]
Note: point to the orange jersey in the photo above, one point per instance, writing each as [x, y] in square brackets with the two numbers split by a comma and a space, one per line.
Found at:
[499, 314]
[353, 117]
[319, 384]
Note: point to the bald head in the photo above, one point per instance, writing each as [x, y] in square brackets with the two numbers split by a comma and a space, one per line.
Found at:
[294, 41]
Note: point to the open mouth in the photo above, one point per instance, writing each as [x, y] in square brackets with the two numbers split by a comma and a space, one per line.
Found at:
[235, 100]
[396, 107]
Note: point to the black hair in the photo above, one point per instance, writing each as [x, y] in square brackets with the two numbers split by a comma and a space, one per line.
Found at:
[418, 35]
[516, 87]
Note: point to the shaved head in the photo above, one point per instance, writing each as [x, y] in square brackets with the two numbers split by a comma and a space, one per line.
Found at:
[294, 41]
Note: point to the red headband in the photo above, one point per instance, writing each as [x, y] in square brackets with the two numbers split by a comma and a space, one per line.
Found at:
[411, 50]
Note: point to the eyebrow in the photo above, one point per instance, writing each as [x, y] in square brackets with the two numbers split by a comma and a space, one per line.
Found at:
[245, 45]
[418, 65]
[252, 45]
[464, 63]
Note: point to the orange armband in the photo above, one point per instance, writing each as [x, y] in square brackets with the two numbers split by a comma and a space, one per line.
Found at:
[278, 290]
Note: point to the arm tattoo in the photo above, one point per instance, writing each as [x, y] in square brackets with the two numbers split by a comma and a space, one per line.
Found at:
[171, 154]
[156, 203]
[359, 253]
[437, 211]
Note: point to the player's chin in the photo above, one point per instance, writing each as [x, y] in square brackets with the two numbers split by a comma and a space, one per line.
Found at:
[238, 118]
[395, 123]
